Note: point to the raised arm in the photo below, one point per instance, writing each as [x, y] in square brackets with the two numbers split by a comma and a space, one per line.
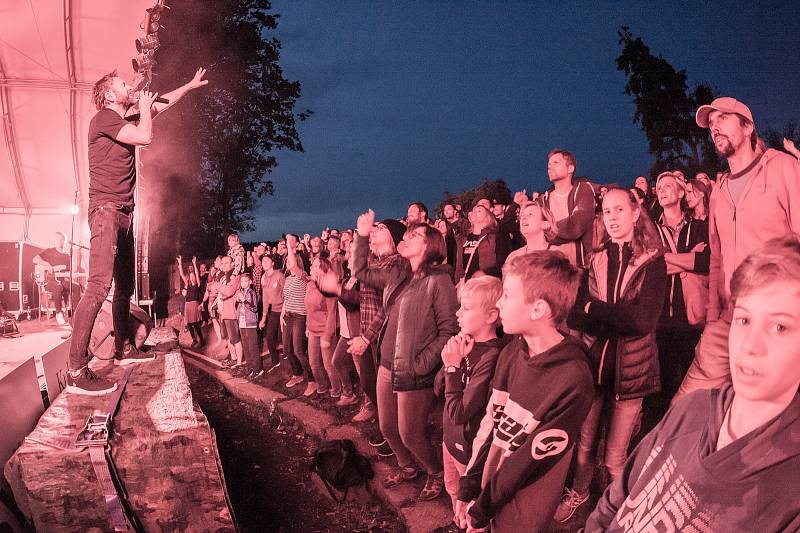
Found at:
[177, 94]
[179, 260]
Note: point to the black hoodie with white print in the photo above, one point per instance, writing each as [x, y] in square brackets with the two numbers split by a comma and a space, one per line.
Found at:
[533, 419]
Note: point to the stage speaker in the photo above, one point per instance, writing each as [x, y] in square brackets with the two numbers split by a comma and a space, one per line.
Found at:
[101, 343]
[16, 276]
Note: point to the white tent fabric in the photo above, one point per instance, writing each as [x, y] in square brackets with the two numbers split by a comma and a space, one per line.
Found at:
[51, 54]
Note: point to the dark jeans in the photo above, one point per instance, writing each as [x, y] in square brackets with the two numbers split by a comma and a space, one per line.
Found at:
[58, 289]
[294, 345]
[365, 366]
[250, 348]
[271, 335]
[111, 257]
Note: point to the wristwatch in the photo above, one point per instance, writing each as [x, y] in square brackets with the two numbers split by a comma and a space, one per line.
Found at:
[450, 369]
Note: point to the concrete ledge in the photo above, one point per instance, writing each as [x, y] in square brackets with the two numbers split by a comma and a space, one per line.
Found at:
[419, 517]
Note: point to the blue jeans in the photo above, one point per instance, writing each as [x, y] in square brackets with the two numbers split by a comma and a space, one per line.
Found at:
[623, 417]
[111, 257]
[294, 344]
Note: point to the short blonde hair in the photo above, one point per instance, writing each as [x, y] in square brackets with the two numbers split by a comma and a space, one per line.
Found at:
[777, 260]
[486, 290]
[547, 275]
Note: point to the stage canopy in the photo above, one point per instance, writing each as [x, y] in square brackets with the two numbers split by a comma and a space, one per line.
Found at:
[51, 53]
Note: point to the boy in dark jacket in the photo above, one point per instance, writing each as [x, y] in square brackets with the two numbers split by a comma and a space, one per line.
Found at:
[541, 392]
[728, 459]
[247, 313]
[469, 359]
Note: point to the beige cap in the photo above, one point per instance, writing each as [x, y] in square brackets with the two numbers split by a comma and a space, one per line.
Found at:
[725, 104]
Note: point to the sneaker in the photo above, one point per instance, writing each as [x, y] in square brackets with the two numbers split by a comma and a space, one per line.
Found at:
[377, 440]
[273, 367]
[570, 502]
[384, 450]
[365, 414]
[311, 389]
[434, 485]
[131, 354]
[407, 473]
[295, 380]
[227, 363]
[89, 383]
[60, 319]
[255, 375]
[346, 400]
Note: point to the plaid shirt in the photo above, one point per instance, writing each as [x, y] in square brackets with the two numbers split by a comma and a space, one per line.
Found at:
[373, 314]
[258, 270]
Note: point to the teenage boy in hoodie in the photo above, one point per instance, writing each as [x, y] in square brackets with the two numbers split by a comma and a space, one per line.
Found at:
[541, 393]
[758, 200]
[728, 459]
[469, 360]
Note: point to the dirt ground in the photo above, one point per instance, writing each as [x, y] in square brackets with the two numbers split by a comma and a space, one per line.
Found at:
[267, 474]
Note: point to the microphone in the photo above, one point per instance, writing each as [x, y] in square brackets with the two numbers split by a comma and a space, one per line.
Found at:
[157, 99]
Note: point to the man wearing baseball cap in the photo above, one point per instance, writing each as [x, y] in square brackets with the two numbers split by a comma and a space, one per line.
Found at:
[756, 200]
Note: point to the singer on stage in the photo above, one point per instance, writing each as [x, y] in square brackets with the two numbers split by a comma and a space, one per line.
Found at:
[114, 134]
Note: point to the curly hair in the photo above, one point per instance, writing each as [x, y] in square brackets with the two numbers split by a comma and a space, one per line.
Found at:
[102, 85]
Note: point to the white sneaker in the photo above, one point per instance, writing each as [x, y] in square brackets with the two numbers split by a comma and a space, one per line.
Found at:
[295, 380]
[366, 413]
[60, 319]
[570, 502]
[311, 389]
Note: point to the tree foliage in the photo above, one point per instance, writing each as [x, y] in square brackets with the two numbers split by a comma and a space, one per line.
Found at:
[773, 137]
[495, 189]
[226, 135]
[665, 108]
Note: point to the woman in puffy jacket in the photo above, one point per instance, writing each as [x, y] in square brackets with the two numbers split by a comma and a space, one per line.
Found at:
[617, 312]
[419, 302]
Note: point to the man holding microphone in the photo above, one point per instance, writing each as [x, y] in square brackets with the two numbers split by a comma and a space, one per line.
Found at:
[114, 134]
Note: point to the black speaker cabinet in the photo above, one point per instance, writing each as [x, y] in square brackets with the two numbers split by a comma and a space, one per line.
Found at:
[101, 343]
[17, 287]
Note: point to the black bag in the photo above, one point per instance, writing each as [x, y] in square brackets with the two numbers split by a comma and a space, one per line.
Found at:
[340, 466]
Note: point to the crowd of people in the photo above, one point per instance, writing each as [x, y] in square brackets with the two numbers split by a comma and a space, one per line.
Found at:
[543, 325]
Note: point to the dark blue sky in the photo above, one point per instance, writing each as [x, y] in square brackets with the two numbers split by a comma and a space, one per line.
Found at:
[414, 98]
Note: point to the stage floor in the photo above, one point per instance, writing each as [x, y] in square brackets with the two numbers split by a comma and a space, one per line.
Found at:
[35, 339]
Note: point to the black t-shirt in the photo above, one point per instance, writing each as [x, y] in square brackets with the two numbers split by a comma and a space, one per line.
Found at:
[54, 257]
[112, 170]
[471, 248]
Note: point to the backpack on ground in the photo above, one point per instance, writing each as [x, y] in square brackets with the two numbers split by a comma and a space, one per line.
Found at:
[339, 465]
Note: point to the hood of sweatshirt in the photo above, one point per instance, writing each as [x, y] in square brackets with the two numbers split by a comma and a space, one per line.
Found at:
[569, 349]
[773, 442]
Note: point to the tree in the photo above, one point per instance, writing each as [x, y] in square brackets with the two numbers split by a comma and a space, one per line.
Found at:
[665, 109]
[773, 137]
[225, 137]
[493, 189]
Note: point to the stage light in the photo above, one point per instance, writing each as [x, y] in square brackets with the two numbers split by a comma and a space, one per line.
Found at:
[147, 43]
[144, 62]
